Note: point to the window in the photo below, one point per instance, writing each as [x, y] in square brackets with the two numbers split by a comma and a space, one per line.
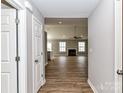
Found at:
[49, 46]
[62, 46]
[81, 46]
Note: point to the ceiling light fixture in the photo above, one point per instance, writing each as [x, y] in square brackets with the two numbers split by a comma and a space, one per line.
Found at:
[75, 34]
[60, 22]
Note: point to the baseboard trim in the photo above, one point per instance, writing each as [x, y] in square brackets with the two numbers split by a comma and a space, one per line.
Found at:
[92, 86]
[46, 64]
[44, 81]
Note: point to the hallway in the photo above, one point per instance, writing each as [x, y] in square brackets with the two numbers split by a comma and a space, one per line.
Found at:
[67, 75]
[35, 31]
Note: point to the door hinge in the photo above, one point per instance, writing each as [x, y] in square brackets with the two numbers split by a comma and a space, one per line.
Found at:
[17, 58]
[17, 21]
[120, 72]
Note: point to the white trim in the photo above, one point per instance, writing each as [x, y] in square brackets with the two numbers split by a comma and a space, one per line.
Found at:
[43, 83]
[36, 19]
[118, 39]
[22, 52]
[92, 86]
[123, 43]
[15, 3]
[115, 49]
[46, 64]
[33, 53]
[0, 51]
[28, 6]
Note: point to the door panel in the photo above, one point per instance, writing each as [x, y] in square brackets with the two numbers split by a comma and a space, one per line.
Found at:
[38, 57]
[5, 46]
[8, 51]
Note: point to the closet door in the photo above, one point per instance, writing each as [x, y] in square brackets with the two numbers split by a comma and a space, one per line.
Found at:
[8, 51]
[38, 54]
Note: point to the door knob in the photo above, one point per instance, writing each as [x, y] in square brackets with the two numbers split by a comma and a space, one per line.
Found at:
[36, 61]
[120, 72]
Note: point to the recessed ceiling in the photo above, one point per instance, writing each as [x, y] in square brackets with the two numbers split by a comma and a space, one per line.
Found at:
[66, 8]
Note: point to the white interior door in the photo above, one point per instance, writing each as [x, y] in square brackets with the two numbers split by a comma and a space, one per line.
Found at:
[8, 51]
[38, 55]
[118, 46]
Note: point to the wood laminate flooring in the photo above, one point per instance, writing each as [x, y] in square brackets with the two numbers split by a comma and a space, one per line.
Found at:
[67, 75]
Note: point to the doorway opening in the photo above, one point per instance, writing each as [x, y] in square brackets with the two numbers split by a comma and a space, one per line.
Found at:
[67, 53]
[64, 34]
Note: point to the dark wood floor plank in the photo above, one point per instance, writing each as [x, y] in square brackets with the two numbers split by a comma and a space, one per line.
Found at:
[67, 75]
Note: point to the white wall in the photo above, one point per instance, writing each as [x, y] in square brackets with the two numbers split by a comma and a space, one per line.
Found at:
[101, 47]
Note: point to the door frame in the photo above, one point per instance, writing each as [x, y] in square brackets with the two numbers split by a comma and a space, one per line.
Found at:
[118, 4]
[22, 38]
[123, 41]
